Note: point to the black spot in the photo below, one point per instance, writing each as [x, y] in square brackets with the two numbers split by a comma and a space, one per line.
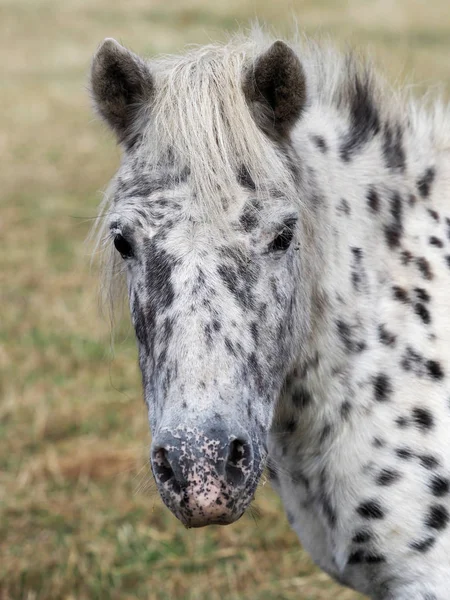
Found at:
[422, 294]
[360, 557]
[329, 511]
[254, 330]
[402, 422]
[230, 347]
[439, 486]
[362, 537]
[434, 241]
[428, 462]
[422, 311]
[356, 557]
[378, 443]
[400, 294]
[437, 517]
[406, 257]
[161, 359]
[159, 275]
[239, 281]
[249, 218]
[382, 387]
[208, 334]
[412, 361]
[301, 398]
[326, 501]
[257, 372]
[139, 322]
[404, 453]
[434, 369]
[325, 433]
[357, 271]
[364, 118]
[425, 182]
[373, 200]
[346, 407]
[386, 338]
[447, 260]
[433, 214]
[320, 143]
[374, 559]
[245, 179]
[346, 335]
[167, 329]
[291, 425]
[298, 476]
[371, 509]
[423, 545]
[393, 153]
[344, 207]
[424, 267]
[387, 477]
[394, 230]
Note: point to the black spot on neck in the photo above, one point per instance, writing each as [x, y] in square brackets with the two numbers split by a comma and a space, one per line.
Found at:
[371, 509]
[382, 388]
[439, 486]
[394, 230]
[424, 545]
[393, 152]
[437, 517]
[425, 182]
[373, 200]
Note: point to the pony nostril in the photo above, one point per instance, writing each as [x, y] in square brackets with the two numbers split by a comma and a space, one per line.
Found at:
[238, 461]
[236, 453]
[161, 466]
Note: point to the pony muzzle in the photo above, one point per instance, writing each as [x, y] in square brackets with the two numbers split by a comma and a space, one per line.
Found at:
[203, 478]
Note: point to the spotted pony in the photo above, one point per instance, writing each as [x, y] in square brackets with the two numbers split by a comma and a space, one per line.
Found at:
[282, 221]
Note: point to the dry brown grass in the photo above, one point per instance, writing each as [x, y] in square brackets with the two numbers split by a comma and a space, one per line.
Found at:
[78, 516]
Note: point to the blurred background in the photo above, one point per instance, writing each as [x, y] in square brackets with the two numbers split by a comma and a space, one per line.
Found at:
[79, 517]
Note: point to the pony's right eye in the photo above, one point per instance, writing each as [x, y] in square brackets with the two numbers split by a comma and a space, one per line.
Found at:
[123, 246]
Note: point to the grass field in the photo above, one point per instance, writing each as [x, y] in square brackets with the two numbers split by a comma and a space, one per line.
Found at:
[79, 517]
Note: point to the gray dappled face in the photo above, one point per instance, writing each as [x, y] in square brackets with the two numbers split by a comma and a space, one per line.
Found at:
[213, 302]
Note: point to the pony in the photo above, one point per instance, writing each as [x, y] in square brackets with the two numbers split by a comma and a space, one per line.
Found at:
[280, 218]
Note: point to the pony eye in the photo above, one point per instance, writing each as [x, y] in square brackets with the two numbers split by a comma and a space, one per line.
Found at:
[122, 246]
[283, 240]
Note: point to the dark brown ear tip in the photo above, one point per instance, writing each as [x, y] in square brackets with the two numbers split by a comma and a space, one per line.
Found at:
[106, 49]
[280, 47]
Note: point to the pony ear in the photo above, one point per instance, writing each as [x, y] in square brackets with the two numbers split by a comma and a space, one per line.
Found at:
[121, 83]
[275, 89]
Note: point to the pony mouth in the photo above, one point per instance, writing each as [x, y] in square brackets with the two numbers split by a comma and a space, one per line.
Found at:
[198, 523]
[212, 504]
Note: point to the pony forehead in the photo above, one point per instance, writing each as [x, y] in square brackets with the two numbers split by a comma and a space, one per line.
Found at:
[200, 119]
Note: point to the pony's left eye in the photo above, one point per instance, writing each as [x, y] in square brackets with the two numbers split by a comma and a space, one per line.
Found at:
[123, 246]
[283, 240]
